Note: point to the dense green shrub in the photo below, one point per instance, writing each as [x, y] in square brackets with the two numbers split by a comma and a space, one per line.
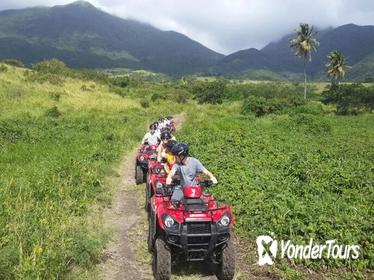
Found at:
[13, 62]
[3, 68]
[54, 71]
[55, 96]
[310, 124]
[119, 91]
[53, 66]
[157, 96]
[122, 82]
[208, 92]
[144, 103]
[53, 112]
[181, 96]
[311, 107]
[262, 106]
[85, 88]
[267, 90]
[44, 77]
[350, 98]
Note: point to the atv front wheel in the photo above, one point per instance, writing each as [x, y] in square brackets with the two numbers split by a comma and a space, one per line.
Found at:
[226, 267]
[161, 260]
[139, 174]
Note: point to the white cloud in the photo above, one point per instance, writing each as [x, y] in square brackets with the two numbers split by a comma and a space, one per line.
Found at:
[230, 25]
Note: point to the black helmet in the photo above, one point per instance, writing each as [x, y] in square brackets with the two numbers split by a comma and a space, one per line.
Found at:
[180, 149]
[165, 129]
[153, 126]
[170, 144]
[165, 134]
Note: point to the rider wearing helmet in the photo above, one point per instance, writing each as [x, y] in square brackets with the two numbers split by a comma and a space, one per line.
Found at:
[152, 137]
[187, 168]
[165, 137]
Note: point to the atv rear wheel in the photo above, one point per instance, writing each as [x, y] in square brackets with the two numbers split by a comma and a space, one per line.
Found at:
[147, 196]
[146, 205]
[226, 267]
[162, 260]
[139, 174]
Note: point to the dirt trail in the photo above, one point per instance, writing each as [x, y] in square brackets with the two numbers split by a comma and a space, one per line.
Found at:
[122, 217]
[126, 256]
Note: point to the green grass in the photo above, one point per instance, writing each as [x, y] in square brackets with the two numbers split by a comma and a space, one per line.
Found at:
[57, 145]
[298, 176]
[302, 173]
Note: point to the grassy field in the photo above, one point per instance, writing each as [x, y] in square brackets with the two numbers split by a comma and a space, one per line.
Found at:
[57, 144]
[296, 176]
[298, 173]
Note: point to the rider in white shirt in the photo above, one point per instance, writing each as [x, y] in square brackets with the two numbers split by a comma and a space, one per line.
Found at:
[152, 137]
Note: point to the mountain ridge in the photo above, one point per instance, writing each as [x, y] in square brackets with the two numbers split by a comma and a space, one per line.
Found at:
[82, 35]
[78, 27]
[354, 41]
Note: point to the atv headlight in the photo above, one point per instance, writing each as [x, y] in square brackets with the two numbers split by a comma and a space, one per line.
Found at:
[169, 221]
[224, 221]
[141, 158]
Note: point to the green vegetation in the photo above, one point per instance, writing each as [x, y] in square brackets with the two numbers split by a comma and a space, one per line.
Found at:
[350, 98]
[296, 175]
[297, 169]
[208, 92]
[58, 142]
[13, 62]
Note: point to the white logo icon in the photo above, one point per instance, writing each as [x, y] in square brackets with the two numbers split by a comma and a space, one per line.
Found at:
[264, 251]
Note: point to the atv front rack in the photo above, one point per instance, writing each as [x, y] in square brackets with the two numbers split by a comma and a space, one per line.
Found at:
[197, 241]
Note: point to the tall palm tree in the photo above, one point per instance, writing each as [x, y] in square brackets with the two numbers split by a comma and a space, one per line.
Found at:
[336, 66]
[303, 45]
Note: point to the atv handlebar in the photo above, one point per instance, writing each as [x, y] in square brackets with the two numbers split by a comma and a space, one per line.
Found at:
[206, 183]
[168, 190]
[203, 184]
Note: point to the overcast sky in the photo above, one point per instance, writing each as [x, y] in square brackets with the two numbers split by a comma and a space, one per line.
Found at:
[229, 25]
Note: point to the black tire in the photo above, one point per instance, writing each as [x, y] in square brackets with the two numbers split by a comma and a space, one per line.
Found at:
[161, 260]
[145, 175]
[139, 174]
[146, 205]
[226, 267]
[148, 194]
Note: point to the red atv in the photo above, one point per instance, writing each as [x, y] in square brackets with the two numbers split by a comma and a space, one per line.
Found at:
[198, 230]
[156, 178]
[145, 154]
